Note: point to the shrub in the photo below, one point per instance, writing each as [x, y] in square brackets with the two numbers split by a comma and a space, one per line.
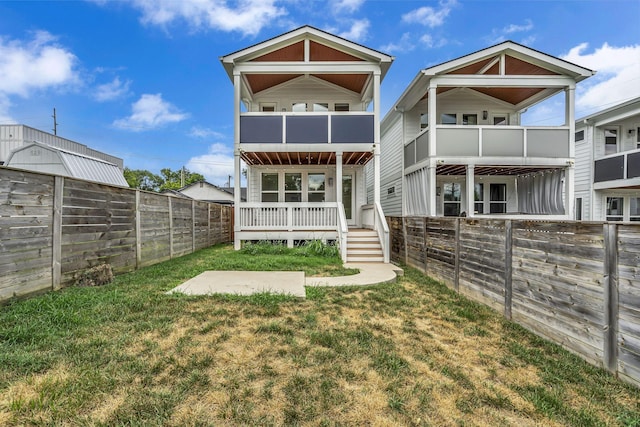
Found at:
[94, 276]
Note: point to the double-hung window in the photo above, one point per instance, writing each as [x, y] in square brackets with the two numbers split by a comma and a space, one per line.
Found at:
[610, 141]
[497, 198]
[479, 198]
[615, 209]
[315, 187]
[269, 187]
[452, 199]
[634, 209]
[292, 187]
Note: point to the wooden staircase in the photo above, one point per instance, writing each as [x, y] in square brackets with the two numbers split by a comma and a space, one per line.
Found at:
[363, 245]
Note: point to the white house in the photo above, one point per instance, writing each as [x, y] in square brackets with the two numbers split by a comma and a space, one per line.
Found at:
[206, 191]
[454, 144]
[608, 164]
[306, 115]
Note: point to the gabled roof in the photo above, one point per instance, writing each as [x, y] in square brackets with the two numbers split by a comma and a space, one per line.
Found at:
[306, 51]
[481, 70]
[617, 112]
[78, 165]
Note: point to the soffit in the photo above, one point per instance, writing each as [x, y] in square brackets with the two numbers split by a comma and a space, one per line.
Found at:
[461, 170]
[305, 158]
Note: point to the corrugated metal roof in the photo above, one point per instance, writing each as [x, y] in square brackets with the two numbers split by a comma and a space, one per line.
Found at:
[81, 166]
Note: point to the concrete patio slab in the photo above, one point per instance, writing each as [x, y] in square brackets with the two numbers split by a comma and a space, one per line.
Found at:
[370, 274]
[244, 283]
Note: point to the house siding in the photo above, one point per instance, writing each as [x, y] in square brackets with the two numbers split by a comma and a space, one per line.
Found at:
[391, 167]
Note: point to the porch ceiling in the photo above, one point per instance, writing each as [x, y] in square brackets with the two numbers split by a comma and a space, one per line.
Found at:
[353, 82]
[489, 170]
[305, 158]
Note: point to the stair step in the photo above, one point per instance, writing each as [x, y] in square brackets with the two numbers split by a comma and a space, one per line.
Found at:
[363, 251]
[365, 259]
[364, 245]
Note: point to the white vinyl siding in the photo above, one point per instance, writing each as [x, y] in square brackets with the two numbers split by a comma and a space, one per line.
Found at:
[391, 168]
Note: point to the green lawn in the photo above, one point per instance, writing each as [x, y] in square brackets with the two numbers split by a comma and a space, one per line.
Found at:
[410, 353]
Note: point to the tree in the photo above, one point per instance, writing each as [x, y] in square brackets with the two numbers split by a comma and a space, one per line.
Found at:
[143, 179]
[174, 180]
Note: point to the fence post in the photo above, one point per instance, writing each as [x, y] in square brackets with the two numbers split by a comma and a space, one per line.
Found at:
[610, 352]
[138, 232]
[508, 268]
[170, 228]
[404, 240]
[208, 224]
[456, 277]
[426, 245]
[193, 226]
[56, 241]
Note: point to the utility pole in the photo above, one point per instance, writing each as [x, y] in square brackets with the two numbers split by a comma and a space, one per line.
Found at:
[182, 177]
[55, 122]
[229, 182]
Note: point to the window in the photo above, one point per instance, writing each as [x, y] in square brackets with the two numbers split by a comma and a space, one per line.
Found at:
[500, 121]
[424, 120]
[268, 107]
[634, 209]
[315, 189]
[579, 136]
[341, 106]
[292, 187]
[638, 137]
[610, 141]
[269, 187]
[299, 107]
[320, 106]
[615, 209]
[579, 209]
[448, 119]
[470, 119]
[452, 199]
[498, 198]
[479, 198]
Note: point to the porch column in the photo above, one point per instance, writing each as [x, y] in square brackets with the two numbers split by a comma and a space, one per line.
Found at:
[432, 120]
[376, 138]
[339, 177]
[236, 157]
[471, 190]
[569, 194]
[432, 189]
[569, 119]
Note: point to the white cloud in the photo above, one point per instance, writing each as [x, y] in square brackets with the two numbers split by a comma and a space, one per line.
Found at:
[5, 104]
[202, 133]
[112, 90]
[508, 32]
[405, 44]
[617, 78]
[216, 165]
[345, 6]
[245, 16]
[150, 112]
[37, 64]
[429, 16]
[358, 32]
[514, 28]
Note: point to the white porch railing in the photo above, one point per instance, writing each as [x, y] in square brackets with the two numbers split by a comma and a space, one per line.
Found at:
[373, 217]
[343, 230]
[288, 216]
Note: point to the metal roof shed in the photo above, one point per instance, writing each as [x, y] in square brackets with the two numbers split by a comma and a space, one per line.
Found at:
[45, 158]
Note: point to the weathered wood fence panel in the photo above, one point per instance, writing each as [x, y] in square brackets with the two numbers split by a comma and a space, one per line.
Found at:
[628, 340]
[574, 283]
[52, 228]
[26, 233]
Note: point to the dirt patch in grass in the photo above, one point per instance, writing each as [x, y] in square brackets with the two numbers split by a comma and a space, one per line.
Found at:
[410, 353]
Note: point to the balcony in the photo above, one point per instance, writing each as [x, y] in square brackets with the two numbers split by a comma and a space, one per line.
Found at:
[288, 216]
[307, 128]
[616, 167]
[490, 142]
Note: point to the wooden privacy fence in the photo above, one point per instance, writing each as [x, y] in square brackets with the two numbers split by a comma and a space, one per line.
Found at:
[52, 228]
[574, 283]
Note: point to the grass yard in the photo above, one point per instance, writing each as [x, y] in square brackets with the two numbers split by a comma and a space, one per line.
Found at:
[410, 353]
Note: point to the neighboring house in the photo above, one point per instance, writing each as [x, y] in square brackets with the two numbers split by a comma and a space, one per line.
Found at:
[306, 115]
[608, 164]
[39, 157]
[454, 144]
[24, 147]
[203, 190]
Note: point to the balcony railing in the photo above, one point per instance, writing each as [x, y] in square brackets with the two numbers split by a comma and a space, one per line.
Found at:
[288, 216]
[624, 165]
[307, 128]
[490, 141]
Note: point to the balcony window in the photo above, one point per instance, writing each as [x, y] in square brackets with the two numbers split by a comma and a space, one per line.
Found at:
[424, 120]
[269, 187]
[638, 137]
[341, 106]
[470, 119]
[610, 141]
[299, 107]
[479, 198]
[615, 209]
[320, 107]
[268, 107]
[292, 187]
[579, 209]
[500, 120]
[452, 199]
[634, 209]
[498, 198]
[579, 136]
[315, 187]
[448, 119]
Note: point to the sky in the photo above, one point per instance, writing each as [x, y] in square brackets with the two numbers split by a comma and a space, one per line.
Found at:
[142, 79]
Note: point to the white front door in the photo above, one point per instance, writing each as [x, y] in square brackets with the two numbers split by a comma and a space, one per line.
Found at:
[349, 197]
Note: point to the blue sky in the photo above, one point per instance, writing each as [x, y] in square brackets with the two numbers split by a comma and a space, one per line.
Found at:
[142, 80]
